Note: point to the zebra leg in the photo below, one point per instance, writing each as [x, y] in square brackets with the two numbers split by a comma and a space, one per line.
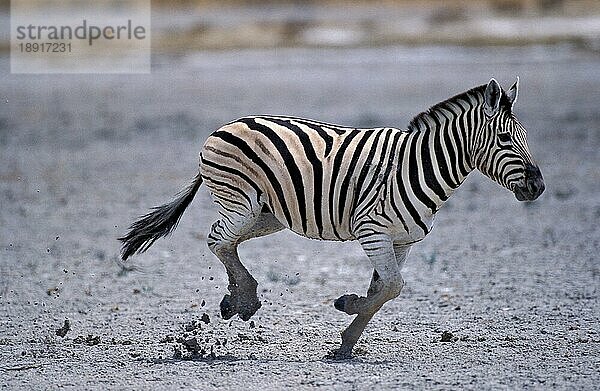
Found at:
[386, 284]
[401, 253]
[223, 240]
[266, 224]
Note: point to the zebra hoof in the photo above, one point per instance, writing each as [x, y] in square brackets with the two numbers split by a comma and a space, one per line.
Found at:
[339, 354]
[227, 308]
[248, 311]
[342, 303]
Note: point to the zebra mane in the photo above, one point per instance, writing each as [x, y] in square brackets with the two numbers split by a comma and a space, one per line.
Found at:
[474, 95]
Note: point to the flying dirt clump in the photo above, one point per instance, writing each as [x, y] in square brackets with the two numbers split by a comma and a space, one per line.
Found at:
[61, 332]
[205, 318]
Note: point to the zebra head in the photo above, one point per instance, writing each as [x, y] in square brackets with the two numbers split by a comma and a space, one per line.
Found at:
[501, 150]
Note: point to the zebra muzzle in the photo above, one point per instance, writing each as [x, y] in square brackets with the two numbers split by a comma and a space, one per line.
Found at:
[532, 186]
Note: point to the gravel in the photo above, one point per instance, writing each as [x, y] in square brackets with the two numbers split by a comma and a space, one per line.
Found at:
[513, 286]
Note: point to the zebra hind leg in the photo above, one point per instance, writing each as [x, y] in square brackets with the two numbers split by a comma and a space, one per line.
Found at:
[226, 234]
[266, 224]
[223, 241]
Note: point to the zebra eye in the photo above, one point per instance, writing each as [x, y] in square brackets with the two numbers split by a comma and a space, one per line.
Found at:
[504, 137]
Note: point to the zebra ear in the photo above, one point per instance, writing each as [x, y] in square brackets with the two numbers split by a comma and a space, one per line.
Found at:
[492, 96]
[513, 92]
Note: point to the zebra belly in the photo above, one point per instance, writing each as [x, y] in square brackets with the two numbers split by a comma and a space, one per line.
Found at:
[312, 224]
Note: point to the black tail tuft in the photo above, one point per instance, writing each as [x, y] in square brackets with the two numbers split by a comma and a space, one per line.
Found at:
[158, 223]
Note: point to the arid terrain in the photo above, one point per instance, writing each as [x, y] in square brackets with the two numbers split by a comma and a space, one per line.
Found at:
[81, 156]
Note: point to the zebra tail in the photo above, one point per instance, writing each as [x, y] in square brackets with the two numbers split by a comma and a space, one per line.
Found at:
[159, 223]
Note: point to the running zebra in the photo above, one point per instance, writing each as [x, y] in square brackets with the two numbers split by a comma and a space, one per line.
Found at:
[379, 186]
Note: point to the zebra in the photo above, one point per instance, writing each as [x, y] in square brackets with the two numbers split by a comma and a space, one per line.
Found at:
[379, 186]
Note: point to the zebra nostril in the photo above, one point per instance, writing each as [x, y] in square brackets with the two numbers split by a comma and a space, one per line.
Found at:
[535, 187]
[532, 186]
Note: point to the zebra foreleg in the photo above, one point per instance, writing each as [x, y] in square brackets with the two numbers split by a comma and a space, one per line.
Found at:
[386, 284]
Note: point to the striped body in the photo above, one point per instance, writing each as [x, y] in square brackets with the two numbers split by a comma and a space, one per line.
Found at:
[326, 181]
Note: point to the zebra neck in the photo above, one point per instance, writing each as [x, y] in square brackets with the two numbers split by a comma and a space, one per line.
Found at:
[438, 161]
[449, 150]
[442, 139]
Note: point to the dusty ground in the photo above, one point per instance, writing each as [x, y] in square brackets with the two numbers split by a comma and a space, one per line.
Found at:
[82, 156]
